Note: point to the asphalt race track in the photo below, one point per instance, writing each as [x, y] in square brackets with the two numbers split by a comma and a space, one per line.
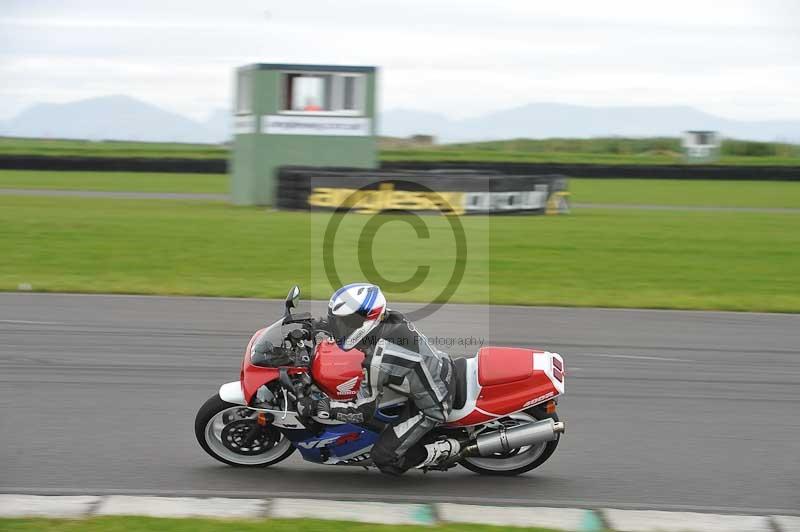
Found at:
[665, 410]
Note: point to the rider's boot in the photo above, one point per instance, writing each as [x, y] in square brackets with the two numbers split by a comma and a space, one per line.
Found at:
[439, 452]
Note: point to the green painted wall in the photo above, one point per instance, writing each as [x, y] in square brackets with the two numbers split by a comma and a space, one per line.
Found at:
[255, 157]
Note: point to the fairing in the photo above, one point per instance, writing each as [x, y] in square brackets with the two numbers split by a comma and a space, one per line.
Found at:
[338, 444]
[252, 376]
[520, 379]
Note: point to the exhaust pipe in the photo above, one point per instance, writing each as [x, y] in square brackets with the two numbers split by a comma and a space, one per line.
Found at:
[504, 440]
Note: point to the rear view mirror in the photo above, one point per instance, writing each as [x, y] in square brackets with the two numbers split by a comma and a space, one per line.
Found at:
[292, 297]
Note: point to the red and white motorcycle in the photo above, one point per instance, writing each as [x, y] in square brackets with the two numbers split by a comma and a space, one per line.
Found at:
[504, 409]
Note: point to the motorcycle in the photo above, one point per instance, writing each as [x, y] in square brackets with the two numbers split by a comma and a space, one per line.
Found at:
[504, 405]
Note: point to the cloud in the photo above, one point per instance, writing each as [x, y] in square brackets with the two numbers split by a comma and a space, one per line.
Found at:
[455, 57]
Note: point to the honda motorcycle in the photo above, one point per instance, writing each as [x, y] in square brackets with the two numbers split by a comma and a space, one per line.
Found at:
[504, 406]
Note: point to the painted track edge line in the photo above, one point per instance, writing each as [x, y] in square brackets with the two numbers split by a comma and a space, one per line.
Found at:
[401, 303]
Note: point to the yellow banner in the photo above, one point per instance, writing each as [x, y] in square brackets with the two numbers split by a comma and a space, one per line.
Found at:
[386, 198]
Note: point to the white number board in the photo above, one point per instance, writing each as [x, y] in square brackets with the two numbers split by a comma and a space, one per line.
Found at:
[315, 125]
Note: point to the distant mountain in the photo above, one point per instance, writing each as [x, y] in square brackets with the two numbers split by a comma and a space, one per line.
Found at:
[125, 118]
[542, 120]
[407, 122]
[219, 124]
[109, 117]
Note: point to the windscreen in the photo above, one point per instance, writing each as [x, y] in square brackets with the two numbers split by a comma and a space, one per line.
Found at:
[274, 335]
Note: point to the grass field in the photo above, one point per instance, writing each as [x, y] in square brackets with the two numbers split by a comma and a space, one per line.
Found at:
[149, 524]
[612, 150]
[622, 191]
[596, 150]
[627, 146]
[114, 181]
[767, 194]
[89, 148]
[446, 153]
[656, 259]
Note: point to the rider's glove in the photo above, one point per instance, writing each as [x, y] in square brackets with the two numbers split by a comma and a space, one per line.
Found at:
[321, 336]
[306, 407]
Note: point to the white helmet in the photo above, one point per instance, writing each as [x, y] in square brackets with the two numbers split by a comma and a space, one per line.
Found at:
[353, 311]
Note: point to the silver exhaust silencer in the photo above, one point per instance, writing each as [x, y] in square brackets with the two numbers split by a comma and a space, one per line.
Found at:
[504, 440]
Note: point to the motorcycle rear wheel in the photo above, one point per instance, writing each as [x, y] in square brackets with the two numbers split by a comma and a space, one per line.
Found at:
[520, 460]
[230, 434]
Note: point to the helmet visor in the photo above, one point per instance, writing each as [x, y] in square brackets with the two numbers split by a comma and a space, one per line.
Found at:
[343, 326]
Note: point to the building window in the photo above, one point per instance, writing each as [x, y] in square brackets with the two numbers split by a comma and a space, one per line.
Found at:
[322, 93]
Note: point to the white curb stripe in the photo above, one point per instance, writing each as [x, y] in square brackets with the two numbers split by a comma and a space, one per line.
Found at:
[46, 506]
[572, 519]
[657, 521]
[787, 523]
[363, 512]
[182, 507]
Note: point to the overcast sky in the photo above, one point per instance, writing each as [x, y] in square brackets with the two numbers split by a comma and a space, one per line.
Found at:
[736, 58]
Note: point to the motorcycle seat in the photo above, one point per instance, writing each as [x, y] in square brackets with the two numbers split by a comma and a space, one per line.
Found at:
[501, 365]
[460, 378]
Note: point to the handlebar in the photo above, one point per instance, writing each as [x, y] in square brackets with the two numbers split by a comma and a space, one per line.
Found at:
[300, 317]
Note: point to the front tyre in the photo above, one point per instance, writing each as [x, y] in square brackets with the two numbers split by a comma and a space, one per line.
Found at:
[231, 434]
[516, 461]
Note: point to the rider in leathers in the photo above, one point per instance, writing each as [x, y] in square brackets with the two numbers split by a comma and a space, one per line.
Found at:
[394, 351]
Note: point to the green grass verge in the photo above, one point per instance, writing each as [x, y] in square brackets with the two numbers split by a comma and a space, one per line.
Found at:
[115, 181]
[594, 150]
[622, 191]
[147, 524]
[446, 153]
[769, 194]
[611, 150]
[89, 148]
[656, 259]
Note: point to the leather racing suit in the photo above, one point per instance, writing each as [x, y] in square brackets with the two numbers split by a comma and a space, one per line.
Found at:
[395, 351]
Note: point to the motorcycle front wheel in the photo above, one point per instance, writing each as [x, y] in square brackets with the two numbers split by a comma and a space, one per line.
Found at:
[516, 461]
[231, 434]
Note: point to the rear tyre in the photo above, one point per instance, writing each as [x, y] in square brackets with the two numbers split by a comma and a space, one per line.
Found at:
[231, 434]
[517, 461]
